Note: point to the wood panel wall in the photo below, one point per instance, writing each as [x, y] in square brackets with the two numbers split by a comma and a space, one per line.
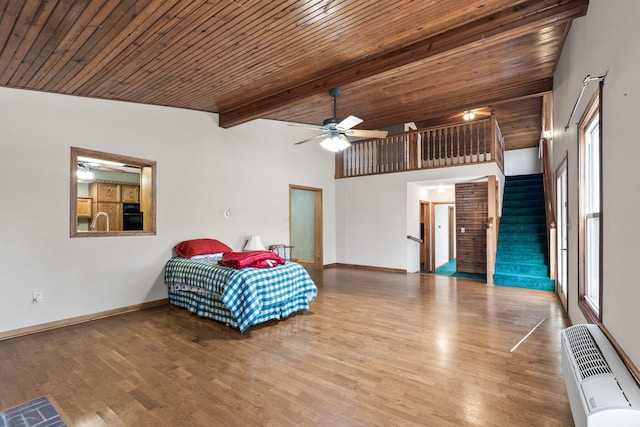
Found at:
[471, 213]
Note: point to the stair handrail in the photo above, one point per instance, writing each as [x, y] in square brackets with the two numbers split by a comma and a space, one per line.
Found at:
[549, 213]
[415, 239]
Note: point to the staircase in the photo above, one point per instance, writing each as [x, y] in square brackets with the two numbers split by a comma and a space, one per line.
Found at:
[521, 259]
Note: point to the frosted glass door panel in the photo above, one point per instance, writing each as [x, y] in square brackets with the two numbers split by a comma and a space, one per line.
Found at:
[302, 222]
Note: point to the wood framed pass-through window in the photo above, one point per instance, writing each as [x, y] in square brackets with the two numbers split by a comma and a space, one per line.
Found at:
[111, 194]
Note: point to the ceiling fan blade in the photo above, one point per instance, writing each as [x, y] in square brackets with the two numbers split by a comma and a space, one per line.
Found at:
[361, 133]
[303, 126]
[348, 123]
[324, 135]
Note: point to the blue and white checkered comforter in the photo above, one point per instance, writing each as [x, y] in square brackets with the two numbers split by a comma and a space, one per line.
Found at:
[252, 295]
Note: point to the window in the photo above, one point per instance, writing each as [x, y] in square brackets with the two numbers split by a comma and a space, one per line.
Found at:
[111, 195]
[589, 273]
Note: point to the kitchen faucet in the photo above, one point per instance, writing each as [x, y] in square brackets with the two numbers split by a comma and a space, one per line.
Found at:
[95, 219]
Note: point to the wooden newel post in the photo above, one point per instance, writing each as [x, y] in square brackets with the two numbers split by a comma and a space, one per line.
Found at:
[492, 228]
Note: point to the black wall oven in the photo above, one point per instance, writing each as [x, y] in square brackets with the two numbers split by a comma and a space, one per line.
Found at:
[132, 217]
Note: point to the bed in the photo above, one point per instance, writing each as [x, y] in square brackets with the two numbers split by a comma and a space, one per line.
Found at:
[239, 298]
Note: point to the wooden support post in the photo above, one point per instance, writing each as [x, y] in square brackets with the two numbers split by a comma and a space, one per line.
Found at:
[492, 236]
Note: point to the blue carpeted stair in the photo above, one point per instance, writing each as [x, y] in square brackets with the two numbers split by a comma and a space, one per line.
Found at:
[521, 260]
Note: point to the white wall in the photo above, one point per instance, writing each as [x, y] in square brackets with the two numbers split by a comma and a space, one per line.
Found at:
[605, 41]
[524, 161]
[375, 214]
[201, 171]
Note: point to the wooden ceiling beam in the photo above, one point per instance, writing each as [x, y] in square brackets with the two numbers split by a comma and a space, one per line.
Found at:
[493, 97]
[525, 17]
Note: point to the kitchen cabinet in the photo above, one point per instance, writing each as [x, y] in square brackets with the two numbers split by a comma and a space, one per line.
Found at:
[104, 192]
[108, 198]
[114, 211]
[130, 193]
[85, 207]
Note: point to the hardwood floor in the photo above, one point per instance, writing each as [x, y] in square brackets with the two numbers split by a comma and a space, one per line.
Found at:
[376, 348]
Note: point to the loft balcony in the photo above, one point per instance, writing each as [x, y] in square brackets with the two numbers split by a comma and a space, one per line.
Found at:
[472, 142]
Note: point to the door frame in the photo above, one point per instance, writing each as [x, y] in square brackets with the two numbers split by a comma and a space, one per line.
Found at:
[428, 218]
[425, 246]
[433, 234]
[452, 232]
[563, 167]
[318, 261]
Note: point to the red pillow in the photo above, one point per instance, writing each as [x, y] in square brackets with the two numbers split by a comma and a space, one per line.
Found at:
[191, 248]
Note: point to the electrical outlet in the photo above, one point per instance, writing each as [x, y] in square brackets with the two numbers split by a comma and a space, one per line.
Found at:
[38, 296]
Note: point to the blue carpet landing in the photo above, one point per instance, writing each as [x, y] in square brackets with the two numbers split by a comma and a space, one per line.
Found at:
[449, 269]
[521, 260]
[38, 413]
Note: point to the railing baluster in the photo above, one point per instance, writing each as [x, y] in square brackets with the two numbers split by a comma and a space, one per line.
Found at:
[432, 148]
[484, 141]
[419, 139]
[471, 143]
[396, 160]
[477, 143]
[440, 147]
[392, 154]
[376, 165]
[458, 144]
[384, 158]
[392, 143]
[396, 153]
[347, 153]
[379, 154]
[425, 153]
[351, 170]
[368, 163]
[355, 161]
[447, 151]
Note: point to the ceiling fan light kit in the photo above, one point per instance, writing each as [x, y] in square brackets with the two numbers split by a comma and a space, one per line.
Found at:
[335, 143]
[335, 131]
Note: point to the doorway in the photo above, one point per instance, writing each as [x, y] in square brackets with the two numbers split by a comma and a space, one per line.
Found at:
[425, 235]
[437, 231]
[443, 234]
[305, 225]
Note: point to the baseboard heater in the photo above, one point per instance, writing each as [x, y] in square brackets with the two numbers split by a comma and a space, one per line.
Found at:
[602, 391]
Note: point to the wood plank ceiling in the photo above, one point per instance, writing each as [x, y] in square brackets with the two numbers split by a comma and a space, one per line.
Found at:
[396, 62]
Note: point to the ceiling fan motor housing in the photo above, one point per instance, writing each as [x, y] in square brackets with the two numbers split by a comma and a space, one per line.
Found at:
[331, 123]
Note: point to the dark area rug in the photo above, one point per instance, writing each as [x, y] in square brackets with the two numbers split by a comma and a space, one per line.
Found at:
[38, 413]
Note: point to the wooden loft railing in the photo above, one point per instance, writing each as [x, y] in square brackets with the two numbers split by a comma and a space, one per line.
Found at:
[472, 142]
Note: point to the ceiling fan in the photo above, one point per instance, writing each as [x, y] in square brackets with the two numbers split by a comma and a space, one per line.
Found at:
[476, 113]
[335, 132]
